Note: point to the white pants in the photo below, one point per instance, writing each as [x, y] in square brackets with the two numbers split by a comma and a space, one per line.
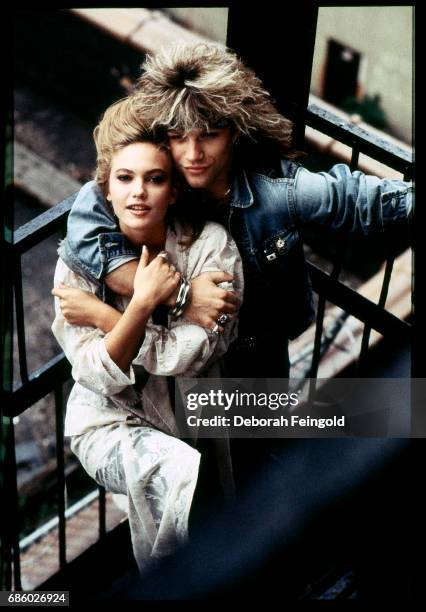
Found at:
[156, 472]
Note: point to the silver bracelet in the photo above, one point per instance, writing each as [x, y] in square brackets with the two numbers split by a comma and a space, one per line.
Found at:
[181, 299]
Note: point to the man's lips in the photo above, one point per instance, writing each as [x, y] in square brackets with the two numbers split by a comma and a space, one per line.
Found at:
[196, 169]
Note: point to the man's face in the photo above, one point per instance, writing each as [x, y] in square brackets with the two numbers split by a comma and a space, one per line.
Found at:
[204, 157]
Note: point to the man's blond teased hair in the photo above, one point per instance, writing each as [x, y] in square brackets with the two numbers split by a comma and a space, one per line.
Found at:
[199, 86]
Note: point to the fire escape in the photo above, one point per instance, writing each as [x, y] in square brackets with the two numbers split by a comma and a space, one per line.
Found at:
[334, 539]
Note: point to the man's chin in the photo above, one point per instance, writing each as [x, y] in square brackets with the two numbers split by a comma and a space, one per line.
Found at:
[197, 182]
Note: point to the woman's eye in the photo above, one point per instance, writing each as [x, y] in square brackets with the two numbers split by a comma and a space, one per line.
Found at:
[157, 179]
[124, 177]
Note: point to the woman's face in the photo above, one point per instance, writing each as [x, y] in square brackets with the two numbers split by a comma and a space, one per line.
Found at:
[141, 189]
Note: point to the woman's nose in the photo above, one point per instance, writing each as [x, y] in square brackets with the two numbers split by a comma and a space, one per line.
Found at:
[139, 190]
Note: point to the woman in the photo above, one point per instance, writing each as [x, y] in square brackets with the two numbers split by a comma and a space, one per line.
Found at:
[119, 414]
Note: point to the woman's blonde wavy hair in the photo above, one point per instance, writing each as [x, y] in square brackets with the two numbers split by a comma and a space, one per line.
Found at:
[123, 123]
[185, 87]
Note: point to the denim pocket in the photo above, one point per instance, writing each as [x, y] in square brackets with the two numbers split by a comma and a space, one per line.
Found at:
[276, 249]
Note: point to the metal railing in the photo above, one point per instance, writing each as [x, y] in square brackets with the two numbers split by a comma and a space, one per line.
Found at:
[56, 372]
[327, 286]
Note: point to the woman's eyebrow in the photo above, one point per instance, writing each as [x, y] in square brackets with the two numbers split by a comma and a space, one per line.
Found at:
[150, 171]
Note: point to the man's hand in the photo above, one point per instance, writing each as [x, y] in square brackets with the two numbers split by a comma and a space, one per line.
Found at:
[208, 301]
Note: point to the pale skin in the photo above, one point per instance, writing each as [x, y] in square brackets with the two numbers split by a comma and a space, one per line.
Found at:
[204, 159]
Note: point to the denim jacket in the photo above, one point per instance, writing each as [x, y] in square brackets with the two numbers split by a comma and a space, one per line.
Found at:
[267, 213]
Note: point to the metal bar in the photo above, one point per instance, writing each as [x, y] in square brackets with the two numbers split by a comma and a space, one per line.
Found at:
[368, 143]
[354, 157]
[43, 226]
[61, 474]
[382, 301]
[319, 324]
[40, 383]
[20, 320]
[358, 306]
[6, 367]
[245, 26]
[102, 511]
[318, 351]
[12, 532]
[42, 531]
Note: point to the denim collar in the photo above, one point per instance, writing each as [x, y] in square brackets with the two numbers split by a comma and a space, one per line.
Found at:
[241, 194]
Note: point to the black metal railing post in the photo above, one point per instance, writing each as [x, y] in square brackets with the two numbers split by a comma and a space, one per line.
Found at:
[320, 347]
[102, 511]
[20, 319]
[59, 415]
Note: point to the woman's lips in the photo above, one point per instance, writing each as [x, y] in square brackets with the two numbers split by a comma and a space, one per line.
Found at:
[138, 210]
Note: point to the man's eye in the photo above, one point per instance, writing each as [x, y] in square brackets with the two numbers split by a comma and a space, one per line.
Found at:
[209, 135]
[176, 137]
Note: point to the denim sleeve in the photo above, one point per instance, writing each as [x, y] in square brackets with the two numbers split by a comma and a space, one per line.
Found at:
[90, 223]
[351, 201]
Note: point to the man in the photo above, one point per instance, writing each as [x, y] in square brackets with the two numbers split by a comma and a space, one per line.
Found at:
[234, 152]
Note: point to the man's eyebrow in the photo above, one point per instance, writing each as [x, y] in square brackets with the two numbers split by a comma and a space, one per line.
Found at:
[155, 170]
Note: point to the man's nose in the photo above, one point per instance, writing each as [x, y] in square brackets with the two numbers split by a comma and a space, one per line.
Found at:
[194, 151]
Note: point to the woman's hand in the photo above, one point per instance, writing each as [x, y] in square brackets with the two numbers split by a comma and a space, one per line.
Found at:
[84, 308]
[155, 281]
[78, 307]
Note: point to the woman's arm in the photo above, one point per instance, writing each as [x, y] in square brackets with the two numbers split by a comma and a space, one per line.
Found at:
[205, 301]
[101, 363]
[152, 284]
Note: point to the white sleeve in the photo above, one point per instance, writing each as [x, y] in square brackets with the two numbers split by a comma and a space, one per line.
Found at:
[186, 349]
[84, 347]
